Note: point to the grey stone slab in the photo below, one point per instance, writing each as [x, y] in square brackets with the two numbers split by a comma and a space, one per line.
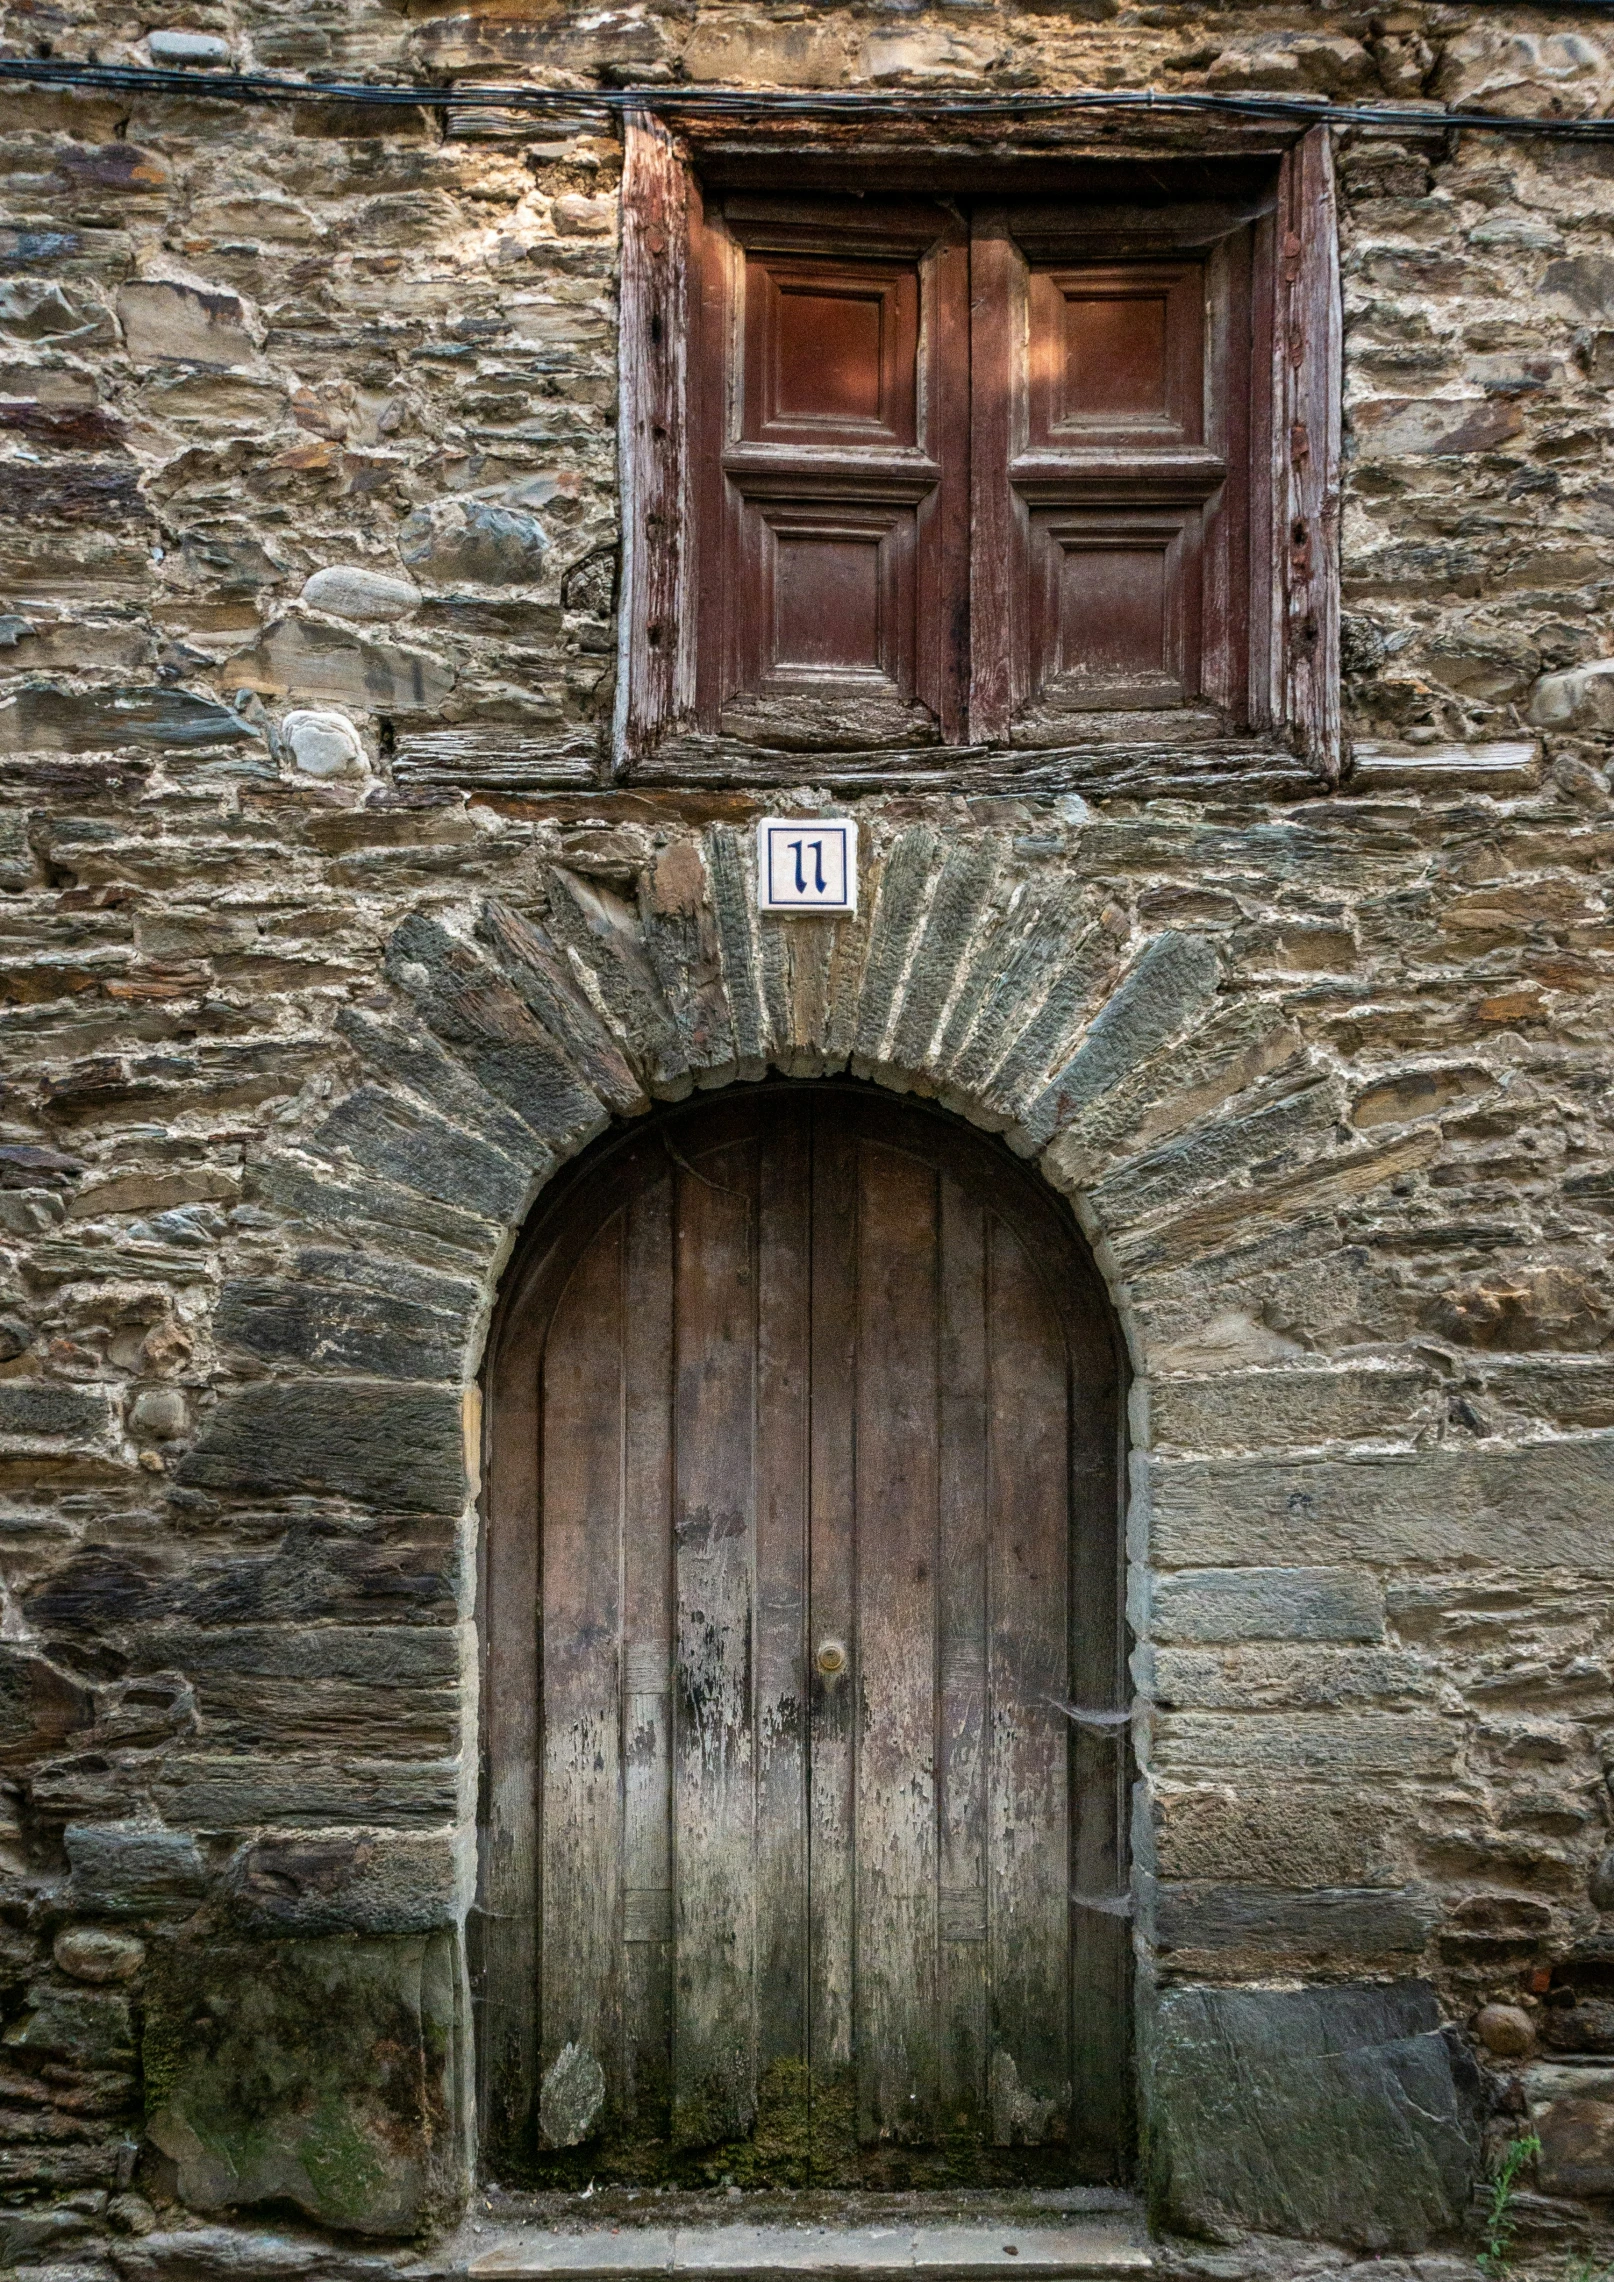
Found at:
[133, 1869]
[327, 1195]
[41, 717]
[413, 1058]
[1228, 1605]
[1340, 2114]
[681, 942]
[1283, 1675]
[363, 1881]
[1326, 1925]
[1091, 2247]
[1324, 1745]
[477, 1011]
[217, 1791]
[540, 973]
[1028, 961]
[602, 932]
[756, 2252]
[1087, 2247]
[950, 929]
[1176, 976]
[1571, 2108]
[737, 948]
[49, 1409]
[337, 1328]
[386, 1655]
[420, 1151]
[1231, 1050]
[1270, 1408]
[320, 2073]
[1024, 1067]
[1011, 911]
[397, 1447]
[1269, 1139]
[899, 906]
[539, 2251]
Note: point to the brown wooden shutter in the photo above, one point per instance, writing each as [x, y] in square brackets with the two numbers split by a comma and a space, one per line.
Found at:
[830, 396]
[1110, 446]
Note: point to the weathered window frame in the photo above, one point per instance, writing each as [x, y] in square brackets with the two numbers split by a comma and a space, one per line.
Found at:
[1296, 420]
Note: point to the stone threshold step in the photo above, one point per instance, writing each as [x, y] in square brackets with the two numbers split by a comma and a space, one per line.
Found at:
[1080, 2248]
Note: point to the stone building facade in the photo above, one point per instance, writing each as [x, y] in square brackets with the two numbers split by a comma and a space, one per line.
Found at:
[336, 921]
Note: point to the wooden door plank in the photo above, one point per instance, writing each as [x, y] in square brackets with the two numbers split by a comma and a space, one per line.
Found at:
[895, 1664]
[714, 2046]
[832, 1697]
[504, 1925]
[581, 1801]
[647, 1868]
[1029, 1682]
[784, 1297]
[961, 1664]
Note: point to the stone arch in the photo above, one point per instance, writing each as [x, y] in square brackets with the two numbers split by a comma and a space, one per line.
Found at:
[989, 971]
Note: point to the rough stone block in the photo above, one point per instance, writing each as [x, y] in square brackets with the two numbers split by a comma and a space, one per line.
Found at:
[298, 658]
[227, 1791]
[1288, 1676]
[1268, 1408]
[1538, 1507]
[1343, 2113]
[1283, 1834]
[1175, 977]
[1323, 1927]
[332, 1327]
[1317, 1745]
[39, 1705]
[361, 1881]
[392, 1137]
[164, 320]
[88, 2026]
[350, 590]
[471, 539]
[49, 1410]
[1571, 2107]
[397, 1447]
[324, 2073]
[134, 1869]
[41, 718]
[1215, 1605]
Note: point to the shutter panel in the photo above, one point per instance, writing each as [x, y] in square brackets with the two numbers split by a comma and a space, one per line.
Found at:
[1110, 485]
[833, 520]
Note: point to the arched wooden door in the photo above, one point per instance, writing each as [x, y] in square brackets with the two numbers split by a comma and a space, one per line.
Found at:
[802, 1548]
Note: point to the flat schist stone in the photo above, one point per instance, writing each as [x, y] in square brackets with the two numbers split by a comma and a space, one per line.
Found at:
[1090, 2247]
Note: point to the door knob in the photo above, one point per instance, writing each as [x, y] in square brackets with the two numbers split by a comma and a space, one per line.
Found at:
[831, 1656]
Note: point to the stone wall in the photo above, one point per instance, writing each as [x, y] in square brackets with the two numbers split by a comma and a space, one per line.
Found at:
[309, 480]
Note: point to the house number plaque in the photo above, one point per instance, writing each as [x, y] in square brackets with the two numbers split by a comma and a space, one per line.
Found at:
[807, 864]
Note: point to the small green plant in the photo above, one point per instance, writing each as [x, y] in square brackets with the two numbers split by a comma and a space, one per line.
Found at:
[1501, 2219]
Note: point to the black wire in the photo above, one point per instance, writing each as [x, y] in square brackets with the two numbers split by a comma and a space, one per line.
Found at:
[731, 102]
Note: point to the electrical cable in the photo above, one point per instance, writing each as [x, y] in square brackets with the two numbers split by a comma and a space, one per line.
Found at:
[731, 102]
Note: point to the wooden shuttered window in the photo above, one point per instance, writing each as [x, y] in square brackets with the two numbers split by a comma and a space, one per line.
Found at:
[1007, 473]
